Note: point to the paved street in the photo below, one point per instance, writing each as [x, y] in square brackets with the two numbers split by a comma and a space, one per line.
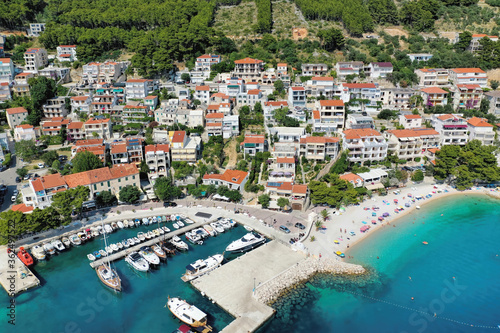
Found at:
[8, 178]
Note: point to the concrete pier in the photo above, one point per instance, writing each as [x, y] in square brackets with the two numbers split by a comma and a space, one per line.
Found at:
[232, 285]
[11, 277]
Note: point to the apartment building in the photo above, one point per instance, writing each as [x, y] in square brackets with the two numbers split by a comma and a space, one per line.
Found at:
[40, 191]
[290, 135]
[234, 179]
[75, 131]
[469, 76]
[297, 96]
[396, 98]
[135, 114]
[467, 96]
[352, 178]
[53, 126]
[56, 73]
[270, 107]
[108, 72]
[55, 107]
[15, 116]
[206, 61]
[475, 44]
[103, 104]
[158, 160]
[66, 53]
[329, 116]
[319, 147]
[99, 151]
[452, 129]
[282, 68]
[251, 97]
[24, 132]
[378, 70]
[35, 29]
[230, 126]
[81, 103]
[5, 91]
[282, 169]
[479, 129]
[321, 86]
[139, 88]
[34, 59]
[184, 147]
[202, 93]
[98, 128]
[433, 77]
[364, 145]
[358, 121]
[284, 150]
[127, 151]
[361, 91]
[410, 121]
[248, 68]
[314, 69]
[433, 96]
[213, 123]
[90, 143]
[419, 56]
[494, 99]
[296, 194]
[6, 70]
[344, 69]
[253, 143]
[410, 144]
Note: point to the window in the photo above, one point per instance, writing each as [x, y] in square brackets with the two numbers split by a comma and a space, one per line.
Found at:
[120, 188]
[102, 184]
[95, 187]
[109, 185]
[126, 178]
[133, 177]
[119, 180]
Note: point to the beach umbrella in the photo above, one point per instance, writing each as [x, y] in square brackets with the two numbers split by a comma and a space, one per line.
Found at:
[380, 218]
[374, 222]
[336, 241]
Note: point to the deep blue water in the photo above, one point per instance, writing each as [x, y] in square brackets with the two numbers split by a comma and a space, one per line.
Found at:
[454, 280]
[72, 299]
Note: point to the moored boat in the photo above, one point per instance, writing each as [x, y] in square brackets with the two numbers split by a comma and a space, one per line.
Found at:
[38, 252]
[91, 256]
[108, 229]
[109, 277]
[202, 233]
[211, 231]
[82, 236]
[58, 245]
[149, 255]
[179, 243]
[188, 314]
[48, 248]
[168, 247]
[201, 267]
[247, 242]
[217, 227]
[141, 236]
[120, 224]
[66, 242]
[75, 240]
[193, 237]
[175, 225]
[136, 240]
[165, 229]
[25, 256]
[180, 224]
[159, 252]
[137, 262]
[114, 225]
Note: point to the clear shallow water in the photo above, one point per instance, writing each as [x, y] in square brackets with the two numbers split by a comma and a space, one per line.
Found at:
[72, 299]
[453, 280]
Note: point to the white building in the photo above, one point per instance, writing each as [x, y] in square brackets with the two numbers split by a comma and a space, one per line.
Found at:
[158, 160]
[379, 70]
[344, 69]
[396, 98]
[358, 121]
[479, 129]
[329, 116]
[469, 76]
[410, 121]
[35, 58]
[66, 53]
[297, 96]
[253, 144]
[452, 129]
[475, 46]
[419, 56]
[24, 132]
[206, 61]
[234, 179]
[81, 103]
[361, 91]
[321, 86]
[494, 99]
[55, 107]
[467, 96]
[314, 69]
[433, 96]
[288, 134]
[36, 29]
[411, 144]
[248, 68]
[139, 88]
[108, 72]
[364, 145]
[433, 77]
[6, 70]
[230, 126]
[202, 93]
[319, 147]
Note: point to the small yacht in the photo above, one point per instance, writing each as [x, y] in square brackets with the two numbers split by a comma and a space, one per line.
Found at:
[82, 236]
[58, 245]
[201, 267]
[108, 249]
[125, 243]
[91, 256]
[247, 242]
[103, 253]
[188, 314]
[100, 229]
[180, 224]
[131, 241]
[160, 231]
[165, 229]
[168, 247]
[48, 248]
[202, 233]
[120, 245]
[175, 225]
[193, 237]
[149, 255]
[179, 243]
[95, 232]
[211, 231]
[141, 236]
[114, 247]
[225, 224]
[188, 221]
[159, 252]
[125, 223]
[120, 224]
[114, 225]
[145, 221]
[38, 252]
[135, 260]
[136, 240]
[137, 223]
[109, 276]
[149, 235]
[217, 227]
[75, 240]
[66, 242]
[108, 229]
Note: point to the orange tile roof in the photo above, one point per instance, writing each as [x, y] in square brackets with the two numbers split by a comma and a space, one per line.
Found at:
[22, 208]
[97, 121]
[360, 133]
[221, 95]
[157, 147]
[359, 85]
[214, 124]
[80, 98]
[16, 110]
[433, 150]
[408, 133]
[137, 81]
[202, 88]
[276, 103]
[322, 78]
[412, 116]
[331, 102]
[5, 60]
[298, 88]
[47, 182]
[96, 150]
[479, 122]
[253, 92]
[299, 189]
[254, 139]
[316, 114]
[89, 142]
[319, 139]
[248, 61]
[67, 45]
[434, 90]
[448, 116]
[285, 160]
[213, 107]
[215, 115]
[123, 170]
[469, 86]
[142, 107]
[151, 97]
[178, 136]
[23, 74]
[282, 64]
[467, 70]
[230, 176]
[24, 126]
[351, 177]
[119, 148]
[75, 125]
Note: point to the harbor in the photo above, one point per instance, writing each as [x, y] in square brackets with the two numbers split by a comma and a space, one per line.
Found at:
[15, 277]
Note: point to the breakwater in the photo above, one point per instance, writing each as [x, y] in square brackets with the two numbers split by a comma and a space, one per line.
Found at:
[273, 288]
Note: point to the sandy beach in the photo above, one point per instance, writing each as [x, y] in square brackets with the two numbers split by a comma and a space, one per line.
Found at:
[341, 223]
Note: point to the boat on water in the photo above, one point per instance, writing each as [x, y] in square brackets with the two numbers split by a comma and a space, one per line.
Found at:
[103, 253]
[193, 237]
[247, 228]
[136, 240]
[108, 229]
[149, 255]
[159, 232]
[149, 235]
[211, 231]
[95, 232]
[66, 242]
[137, 223]
[202, 233]
[58, 245]
[180, 224]
[91, 256]
[120, 245]
[247, 242]
[217, 227]
[137, 262]
[175, 225]
[125, 223]
[131, 241]
[100, 229]
[25, 257]
[225, 224]
[120, 224]
[114, 225]
[125, 243]
[108, 275]
[159, 252]
[179, 243]
[38, 252]
[114, 247]
[188, 314]
[48, 248]
[165, 229]
[82, 236]
[201, 267]
[141, 236]
[108, 249]
[189, 221]
[75, 240]
[145, 221]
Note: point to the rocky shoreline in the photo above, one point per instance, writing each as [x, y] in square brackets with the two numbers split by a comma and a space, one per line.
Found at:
[272, 289]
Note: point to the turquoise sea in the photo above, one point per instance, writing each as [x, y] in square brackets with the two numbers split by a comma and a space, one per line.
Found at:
[72, 298]
[453, 280]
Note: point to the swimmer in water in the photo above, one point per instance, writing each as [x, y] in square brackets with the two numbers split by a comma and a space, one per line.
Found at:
[409, 278]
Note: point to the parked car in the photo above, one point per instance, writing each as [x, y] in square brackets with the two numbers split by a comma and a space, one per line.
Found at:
[41, 165]
[18, 179]
[300, 226]
[13, 198]
[28, 176]
[63, 158]
[1, 200]
[169, 204]
[3, 168]
[284, 229]
[16, 192]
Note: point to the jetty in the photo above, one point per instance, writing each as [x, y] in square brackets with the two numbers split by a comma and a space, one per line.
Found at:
[15, 277]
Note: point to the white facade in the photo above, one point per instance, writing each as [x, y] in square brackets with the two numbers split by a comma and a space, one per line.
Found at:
[344, 69]
[364, 145]
[6, 70]
[410, 121]
[314, 69]
[66, 53]
[34, 59]
[433, 77]
[479, 129]
[297, 96]
[361, 91]
[452, 129]
[469, 76]
[379, 69]
[419, 56]
[36, 29]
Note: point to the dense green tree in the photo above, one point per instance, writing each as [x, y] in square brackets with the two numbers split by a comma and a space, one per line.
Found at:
[418, 176]
[21, 172]
[383, 11]
[27, 150]
[331, 39]
[85, 161]
[70, 200]
[279, 87]
[264, 200]
[129, 194]
[49, 157]
[464, 39]
[56, 165]
[387, 114]
[165, 189]
[282, 202]
[105, 198]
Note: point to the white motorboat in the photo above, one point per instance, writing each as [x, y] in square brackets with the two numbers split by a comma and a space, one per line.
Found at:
[95, 232]
[58, 245]
[137, 223]
[159, 252]
[108, 229]
[161, 231]
[66, 242]
[150, 235]
[175, 225]
[48, 248]
[120, 245]
[114, 247]
[193, 237]
[103, 253]
[188, 314]
[247, 228]
[114, 225]
[179, 243]
[201, 267]
[141, 236]
[149, 255]
[120, 224]
[75, 240]
[211, 231]
[165, 229]
[135, 260]
[100, 229]
[82, 236]
[225, 224]
[125, 223]
[189, 221]
[156, 232]
[131, 241]
[91, 257]
[125, 243]
[38, 252]
[108, 249]
[202, 233]
[247, 242]
[217, 227]
[145, 221]
[180, 224]
[136, 240]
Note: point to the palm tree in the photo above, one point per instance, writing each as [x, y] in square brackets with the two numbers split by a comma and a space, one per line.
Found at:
[325, 214]
[318, 224]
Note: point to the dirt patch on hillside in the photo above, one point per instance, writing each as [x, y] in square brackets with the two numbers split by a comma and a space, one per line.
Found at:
[299, 33]
[493, 74]
[13, 32]
[396, 31]
[231, 154]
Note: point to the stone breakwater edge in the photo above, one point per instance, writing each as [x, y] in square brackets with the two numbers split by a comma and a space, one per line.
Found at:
[269, 291]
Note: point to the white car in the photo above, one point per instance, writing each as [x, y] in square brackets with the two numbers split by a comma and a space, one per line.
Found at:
[41, 165]
[16, 192]
[13, 198]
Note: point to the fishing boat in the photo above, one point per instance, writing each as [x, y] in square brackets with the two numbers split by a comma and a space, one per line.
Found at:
[168, 247]
[91, 256]
[38, 252]
[179, 243]
[193, 237]
[66, 242]
[141, 236]
[48, 248]
[149, 255]
[120, 224]
[175, 225]
[25, 257]
[58, 245]
[137, 262]
[340, 254]
[247, 242]
[217, 227]
[159, 252]
[108, 229]
[201, 267]
[188, 314]
[211, 231]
